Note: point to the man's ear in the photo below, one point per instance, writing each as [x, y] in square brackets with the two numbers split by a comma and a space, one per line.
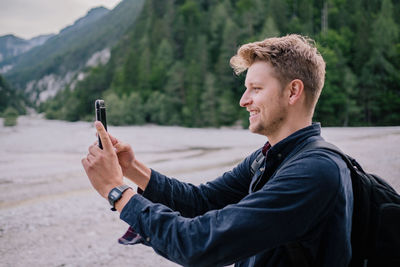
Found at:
[296, 91]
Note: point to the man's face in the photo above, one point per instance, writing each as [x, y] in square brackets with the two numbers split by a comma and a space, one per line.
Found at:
[263, 99]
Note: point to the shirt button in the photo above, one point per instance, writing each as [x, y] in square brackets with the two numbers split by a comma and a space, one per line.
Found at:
[279, 155]
[148, 239]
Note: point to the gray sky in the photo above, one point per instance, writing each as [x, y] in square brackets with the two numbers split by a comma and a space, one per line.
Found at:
[30, 18]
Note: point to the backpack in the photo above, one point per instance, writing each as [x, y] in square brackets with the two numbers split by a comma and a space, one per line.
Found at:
[375, 233]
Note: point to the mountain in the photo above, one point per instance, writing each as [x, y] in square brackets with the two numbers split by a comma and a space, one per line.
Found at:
[44, 70]
[92, 15]
[172, 66]
[12, 46]
[19, 46]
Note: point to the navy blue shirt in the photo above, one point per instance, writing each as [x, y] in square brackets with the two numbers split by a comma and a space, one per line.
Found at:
[228, 221]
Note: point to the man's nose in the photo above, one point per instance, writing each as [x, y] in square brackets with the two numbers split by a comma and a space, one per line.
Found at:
[245, 100]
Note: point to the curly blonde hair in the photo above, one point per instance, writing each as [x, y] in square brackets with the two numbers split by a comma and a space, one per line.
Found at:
[292, 57]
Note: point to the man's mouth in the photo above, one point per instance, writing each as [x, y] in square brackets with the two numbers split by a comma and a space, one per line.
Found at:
[253, 113]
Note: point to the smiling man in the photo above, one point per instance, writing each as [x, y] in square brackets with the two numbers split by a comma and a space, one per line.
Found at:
[278, 207]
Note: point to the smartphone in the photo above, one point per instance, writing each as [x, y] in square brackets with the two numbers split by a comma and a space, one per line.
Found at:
[100, 108]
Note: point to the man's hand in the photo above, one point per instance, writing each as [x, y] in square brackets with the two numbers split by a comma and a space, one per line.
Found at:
[132, 169]
[102, 166]
[125, 154]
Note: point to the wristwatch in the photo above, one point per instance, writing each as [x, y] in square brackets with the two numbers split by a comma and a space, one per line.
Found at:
[115, 194]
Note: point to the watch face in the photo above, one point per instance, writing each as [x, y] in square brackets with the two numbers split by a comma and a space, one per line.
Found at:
[114, 194]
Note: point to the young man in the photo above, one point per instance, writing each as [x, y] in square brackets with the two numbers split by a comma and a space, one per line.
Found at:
[283, 215]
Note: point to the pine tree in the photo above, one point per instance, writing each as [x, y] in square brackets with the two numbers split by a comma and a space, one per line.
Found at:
[161, 63]
[217, 23]
[196, 67]
[143, 73]
[381, 93]
[227, 108]
[4, 94]
[226, 50]
[269, 29]
[175, 92]
[279, 11]
[336, 105]
[209, 102]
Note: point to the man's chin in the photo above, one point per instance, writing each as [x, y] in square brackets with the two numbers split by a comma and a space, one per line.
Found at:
[254, 129]
[257, 129]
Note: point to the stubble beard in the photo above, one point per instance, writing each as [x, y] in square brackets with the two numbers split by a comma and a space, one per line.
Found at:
[272, 124]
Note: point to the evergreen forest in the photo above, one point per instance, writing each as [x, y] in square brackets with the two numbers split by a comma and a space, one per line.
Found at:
[10, 98]
[172, 66]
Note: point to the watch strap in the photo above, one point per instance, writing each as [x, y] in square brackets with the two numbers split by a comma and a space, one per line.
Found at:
[120, 190]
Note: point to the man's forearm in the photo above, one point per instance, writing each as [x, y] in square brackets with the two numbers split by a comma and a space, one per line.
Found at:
[126, 196]
[139, 174]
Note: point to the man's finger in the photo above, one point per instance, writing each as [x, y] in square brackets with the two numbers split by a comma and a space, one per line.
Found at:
[85, 163]
[90, 158]
[94, 149]
[114, 140]
[121, 147]
[105, 139]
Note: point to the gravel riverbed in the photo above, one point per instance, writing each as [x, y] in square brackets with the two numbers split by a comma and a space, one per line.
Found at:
[51, 216]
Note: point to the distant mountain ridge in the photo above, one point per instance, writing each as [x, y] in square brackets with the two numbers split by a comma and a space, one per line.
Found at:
[12, 46]
[91, 16]
[21, 59]
[58, 63]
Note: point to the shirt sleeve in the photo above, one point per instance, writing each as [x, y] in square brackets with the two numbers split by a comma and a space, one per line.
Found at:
[282, 211]
[191, 200]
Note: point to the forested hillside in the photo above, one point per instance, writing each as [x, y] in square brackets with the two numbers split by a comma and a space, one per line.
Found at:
[47, 58]
[173, 66]
[11, 46]
[10, 98]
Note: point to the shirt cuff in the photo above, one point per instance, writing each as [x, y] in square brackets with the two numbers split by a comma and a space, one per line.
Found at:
[154, 186]
[131, 214]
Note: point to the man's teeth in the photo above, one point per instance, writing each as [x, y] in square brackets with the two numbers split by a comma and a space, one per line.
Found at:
[253, 113]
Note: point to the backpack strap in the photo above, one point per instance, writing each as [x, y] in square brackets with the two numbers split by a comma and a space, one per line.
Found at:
[257, 163]
[361, 213]
[351, 163]
[297, 253]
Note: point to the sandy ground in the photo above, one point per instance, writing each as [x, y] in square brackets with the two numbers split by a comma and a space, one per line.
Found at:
[50, 215]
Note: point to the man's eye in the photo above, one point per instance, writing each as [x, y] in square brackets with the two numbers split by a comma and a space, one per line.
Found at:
[257, 88]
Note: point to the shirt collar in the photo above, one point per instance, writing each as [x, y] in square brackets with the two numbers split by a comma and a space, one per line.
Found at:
[278, 152]
[265, 148]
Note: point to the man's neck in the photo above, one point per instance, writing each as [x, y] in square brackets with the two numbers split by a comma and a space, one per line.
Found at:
[287, 129]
